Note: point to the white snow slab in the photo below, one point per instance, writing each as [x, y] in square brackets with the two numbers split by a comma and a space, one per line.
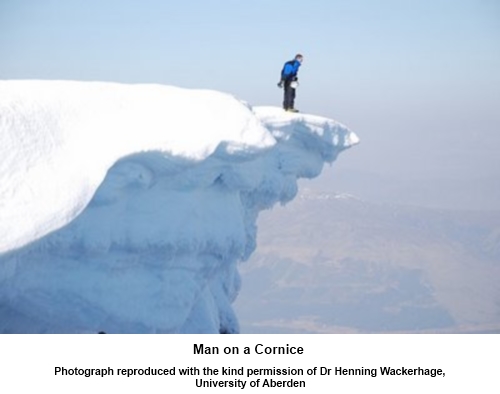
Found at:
[126, 208]
[58, 139]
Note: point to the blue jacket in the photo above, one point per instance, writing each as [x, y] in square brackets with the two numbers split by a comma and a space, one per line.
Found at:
[290, 70]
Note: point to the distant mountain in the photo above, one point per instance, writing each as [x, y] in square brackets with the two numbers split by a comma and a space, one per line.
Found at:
[481, 193]
[334, 263]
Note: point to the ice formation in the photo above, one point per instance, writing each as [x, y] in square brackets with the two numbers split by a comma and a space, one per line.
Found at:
[126, 208]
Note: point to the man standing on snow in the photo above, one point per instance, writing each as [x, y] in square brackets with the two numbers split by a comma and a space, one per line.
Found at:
[289, 82]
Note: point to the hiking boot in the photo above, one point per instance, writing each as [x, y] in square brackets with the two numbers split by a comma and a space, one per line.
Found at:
[292, 110]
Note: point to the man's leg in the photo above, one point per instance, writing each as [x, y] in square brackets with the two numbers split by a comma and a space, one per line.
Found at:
[292, 98]
[288, 99]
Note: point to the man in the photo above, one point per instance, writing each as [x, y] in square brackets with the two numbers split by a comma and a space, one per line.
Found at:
[289, 82]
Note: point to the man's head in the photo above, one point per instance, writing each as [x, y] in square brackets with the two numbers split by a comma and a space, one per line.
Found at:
[299, 57]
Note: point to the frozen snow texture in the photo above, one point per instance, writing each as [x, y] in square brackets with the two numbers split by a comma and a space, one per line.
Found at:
[126, 208]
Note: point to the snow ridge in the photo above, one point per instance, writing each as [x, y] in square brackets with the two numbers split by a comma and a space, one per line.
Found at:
[126, 208]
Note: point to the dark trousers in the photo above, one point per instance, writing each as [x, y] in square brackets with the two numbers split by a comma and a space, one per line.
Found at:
[289, 99]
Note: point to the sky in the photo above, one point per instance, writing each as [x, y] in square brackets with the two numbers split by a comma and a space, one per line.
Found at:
[418, 81]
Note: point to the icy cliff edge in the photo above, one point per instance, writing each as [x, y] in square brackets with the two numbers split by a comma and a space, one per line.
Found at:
[125, 208]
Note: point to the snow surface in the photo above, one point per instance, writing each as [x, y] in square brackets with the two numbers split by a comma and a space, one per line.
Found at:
[126, 208]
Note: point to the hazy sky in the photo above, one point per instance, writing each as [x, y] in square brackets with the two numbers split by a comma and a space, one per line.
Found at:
[419, 81]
